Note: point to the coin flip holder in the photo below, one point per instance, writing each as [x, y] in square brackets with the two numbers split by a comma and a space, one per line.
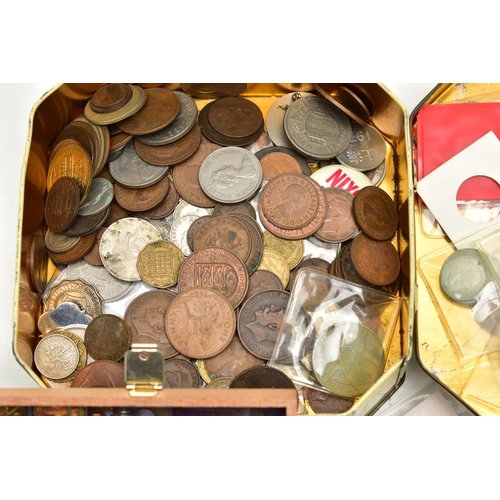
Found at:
[335, 336]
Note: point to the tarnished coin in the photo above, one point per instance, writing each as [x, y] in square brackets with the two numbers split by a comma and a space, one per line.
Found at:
[56, 356]
[262, 280]
[220, 383]
[159, 262]
[59, 243]
[213, 90]
[376, 261]
[273, 261]
[180, 373]
[231, 175]
[262, 377]
[139, 200]
[193, 228]
[317, 128]
[77, 252]
[145, 318]
[110, 97]
[235, 117]
[244, 207]
[200, 323]
[61, 204]
[376, 213]
[107, 337]
[83, 226]
[463, 276]
[340, 224]
[101, 374]
[260, 319]
[183, 123]
[99, 197]
[109, 287]
[66, 313]
[291, 250]
[167, 206]
[322, 402]
[366, 150]
[256, 242]
[234, 359]
[121, 244]
[218, 269]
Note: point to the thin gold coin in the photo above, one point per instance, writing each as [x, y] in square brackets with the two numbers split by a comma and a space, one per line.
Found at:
[159, 262]
[292, 250]
[273, 261]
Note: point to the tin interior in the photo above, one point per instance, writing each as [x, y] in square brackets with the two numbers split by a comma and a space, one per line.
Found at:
[67, 101]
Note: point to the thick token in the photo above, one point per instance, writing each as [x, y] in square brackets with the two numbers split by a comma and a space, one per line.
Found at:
[110, 97]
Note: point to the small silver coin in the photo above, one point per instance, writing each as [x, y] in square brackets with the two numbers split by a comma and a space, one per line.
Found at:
[99, 197]
[185, 208]
[179, 231]
[183, 123]
[316, 128]
[131, 171]
[230, 175]
[56, 356]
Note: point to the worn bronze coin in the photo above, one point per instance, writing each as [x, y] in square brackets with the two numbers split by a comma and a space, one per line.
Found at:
[259, 321]
[235, 117]
[180, 373]
[145, 318]
[376, 261]
[107, 337]
[277, 160]
[216, 268]
[101, 374]
[262, 377]
[193, 228]
[256, 242]
[61, 205]
[243, 207]
[376, 213]
[82, 248]
[322, 402]
[167, 206]
[173, 153]
[86, 225]
[340, 224]
[262, 280]
[213, 90]
[200, 322]
[139, 200]
[110, 97]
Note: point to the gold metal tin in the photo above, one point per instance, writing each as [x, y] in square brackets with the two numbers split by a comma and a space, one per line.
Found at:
[67, 101]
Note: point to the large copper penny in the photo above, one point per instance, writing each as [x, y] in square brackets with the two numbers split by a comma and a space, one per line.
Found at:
[322, 402]
[110, 97]
[262, 377]
[200, 323]
[107, 337]
[180, 373]
[256, 243]
[194, 227]
[167, 206]
[218, 269]
[262, 280]
[244, 207]
[260, 320]
[376, 261]
[145, 318]
[224, 232]
[376, 213]
[61, 205]
[173, 153]
[277, 160]
[139, 200]
[101, 374]
[235, 117]
[340, 224]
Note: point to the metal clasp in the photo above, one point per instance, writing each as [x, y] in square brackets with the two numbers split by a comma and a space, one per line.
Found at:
[144, 370]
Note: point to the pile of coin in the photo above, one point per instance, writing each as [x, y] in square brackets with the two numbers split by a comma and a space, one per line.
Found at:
[144, 188]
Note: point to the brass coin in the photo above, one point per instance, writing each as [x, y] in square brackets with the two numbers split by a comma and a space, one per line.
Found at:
[107, 337]
[200, 323]
[101, 374]
[159, 263]
[139, 200]
[273, 261]
[110, 97]
[180, 373]
[291, 250]
[220, 383]
[145, 318]
[376, 213]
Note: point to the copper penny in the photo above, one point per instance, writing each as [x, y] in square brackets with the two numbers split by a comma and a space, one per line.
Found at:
[93, 258]
[115, 214]
[243, 207]
[233, 360]
[107, 337]
[158, 264]
[235, 117]
[282, 161]
[138, 200]
[301, 232]
[180, 373]
[145, 318]
[110, 97]
[118, 141]
[101, 374]
[224, 232]
[376, 261]
[200, 322]
[218, 269]
[61, 205]
[256, 243]
[376, 213]
[322, 402]
[260, 320]
[167, 206]
[153, 116]
[186, 177]
[81, 249]
[168, 98]
[262, 280]
[262, 377]
[173, 153]
[340, 224]
[213, 90]
[193, 228]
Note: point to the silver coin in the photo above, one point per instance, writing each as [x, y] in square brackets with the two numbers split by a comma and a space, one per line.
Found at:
[230, 175]
[178, 232]
[121, 243]
[109, 287]
[276, 116]
[377, 174]
[99, 198]
[185, 208]
[317, 128]
[66, 313]
[366, 150]
[183, 123]
[56, 356]
[79, 330]
[59, 243]
[133, 172]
